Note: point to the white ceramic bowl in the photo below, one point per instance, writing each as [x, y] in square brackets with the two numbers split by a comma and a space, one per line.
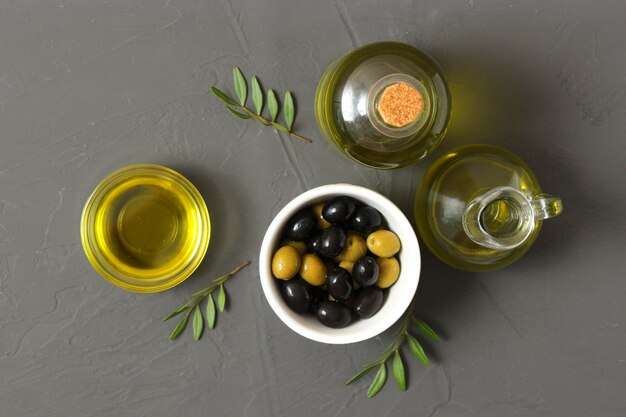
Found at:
[399, 295]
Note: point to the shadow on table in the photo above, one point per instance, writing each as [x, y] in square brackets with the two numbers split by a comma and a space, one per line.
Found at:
[224, 202]
[499, 104]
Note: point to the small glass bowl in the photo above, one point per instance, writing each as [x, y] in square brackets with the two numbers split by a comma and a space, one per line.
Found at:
[116, 203]
[346, 105]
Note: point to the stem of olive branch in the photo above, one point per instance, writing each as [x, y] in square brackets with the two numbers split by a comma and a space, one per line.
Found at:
[387, 353]
[269, 122]
[302, 138]
[199, 296]
[203, 293]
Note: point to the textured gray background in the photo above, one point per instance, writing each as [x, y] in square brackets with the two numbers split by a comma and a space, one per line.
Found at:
[87, 87]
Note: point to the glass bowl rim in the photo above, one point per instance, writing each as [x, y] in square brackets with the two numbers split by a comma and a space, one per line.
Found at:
[93, 253]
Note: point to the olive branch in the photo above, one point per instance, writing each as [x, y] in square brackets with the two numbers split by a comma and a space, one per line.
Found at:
[241, 111]
[392, 352]
[194, 306]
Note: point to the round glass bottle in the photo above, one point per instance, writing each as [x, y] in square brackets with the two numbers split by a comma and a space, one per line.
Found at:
[385, 105]
[480, 207]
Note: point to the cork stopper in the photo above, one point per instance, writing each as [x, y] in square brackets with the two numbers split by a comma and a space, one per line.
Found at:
[400, 104]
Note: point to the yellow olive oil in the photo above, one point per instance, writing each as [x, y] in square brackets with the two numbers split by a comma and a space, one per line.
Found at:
[349, 97]
[146, 229]
[452, 183]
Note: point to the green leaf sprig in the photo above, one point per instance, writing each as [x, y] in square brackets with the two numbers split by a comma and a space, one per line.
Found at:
[194, 306]
[392, 352]
[240, 110]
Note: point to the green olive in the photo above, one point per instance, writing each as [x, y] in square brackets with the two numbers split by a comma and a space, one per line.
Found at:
[354, 248]
[286, 262]
[388, 272]
[346, 265]
[299, 245]
[313, 270]
[383, 243]
[321, 221]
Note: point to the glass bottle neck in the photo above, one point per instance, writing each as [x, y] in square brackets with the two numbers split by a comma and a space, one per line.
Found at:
[378, 118]
[501, 218]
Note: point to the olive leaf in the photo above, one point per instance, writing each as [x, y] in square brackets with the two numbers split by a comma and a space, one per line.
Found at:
[397, 369]
[238, 114]
[241, 111]
[392, 353]
[240, 86]
[272, 105]
[180, 326]
[280, 127]
[417, 349]
[426, 330]
[198, 323]
[222, 96]
[175, 313]
[193, 305]
[289, 110]
[257, 95]
[379, 381]
[221, 299]
[366, 370]
[210, 312]
[260, 119]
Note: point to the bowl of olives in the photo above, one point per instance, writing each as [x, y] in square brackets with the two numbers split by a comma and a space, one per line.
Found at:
[339, 264]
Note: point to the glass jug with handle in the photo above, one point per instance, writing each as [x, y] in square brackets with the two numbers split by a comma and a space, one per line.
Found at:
[480, 208]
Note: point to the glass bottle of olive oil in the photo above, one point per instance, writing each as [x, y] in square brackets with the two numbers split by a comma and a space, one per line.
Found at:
[385, 105]
[480, 208]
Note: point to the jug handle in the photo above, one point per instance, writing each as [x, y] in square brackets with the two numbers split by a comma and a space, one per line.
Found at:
[546, 206]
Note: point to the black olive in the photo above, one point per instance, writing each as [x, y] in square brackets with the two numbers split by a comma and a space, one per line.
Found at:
[297, 294]
[313, 243]
[300, 225]
[365, 271]
[332, 314]
[332, 241]
[330, 264]
[339, 284]
[367, 302]
[338, 210]
[356, 202]
[366, 219]
[318, 295]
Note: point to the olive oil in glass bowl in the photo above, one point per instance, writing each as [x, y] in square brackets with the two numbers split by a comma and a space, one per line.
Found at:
[145, 228]
[385, 105]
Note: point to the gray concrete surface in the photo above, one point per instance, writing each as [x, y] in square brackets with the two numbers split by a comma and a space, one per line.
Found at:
[90, 86]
